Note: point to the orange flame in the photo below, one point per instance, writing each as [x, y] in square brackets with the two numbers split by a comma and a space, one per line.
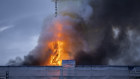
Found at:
[57, 47]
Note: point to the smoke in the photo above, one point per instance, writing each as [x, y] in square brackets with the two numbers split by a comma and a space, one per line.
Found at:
[100, 32]
[117, 23]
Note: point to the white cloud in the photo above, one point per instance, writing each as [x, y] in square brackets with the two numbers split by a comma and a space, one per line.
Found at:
[5, 28]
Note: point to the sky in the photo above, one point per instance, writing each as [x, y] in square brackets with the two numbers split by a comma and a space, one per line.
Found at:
[21, 22]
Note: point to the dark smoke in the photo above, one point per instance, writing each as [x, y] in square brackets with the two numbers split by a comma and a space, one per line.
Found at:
[123, 14]
[111, 34]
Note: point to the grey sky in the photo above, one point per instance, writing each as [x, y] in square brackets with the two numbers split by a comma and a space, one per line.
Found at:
[20, 25]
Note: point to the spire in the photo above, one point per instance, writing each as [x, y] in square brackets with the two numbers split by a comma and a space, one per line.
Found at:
[55, 8]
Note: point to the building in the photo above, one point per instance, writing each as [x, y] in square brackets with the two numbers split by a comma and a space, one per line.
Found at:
[70, 71]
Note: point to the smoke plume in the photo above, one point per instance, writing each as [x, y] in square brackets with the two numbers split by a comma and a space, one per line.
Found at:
[99, 32]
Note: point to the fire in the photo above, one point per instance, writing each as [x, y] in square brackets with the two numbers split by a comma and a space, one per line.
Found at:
[57, 46]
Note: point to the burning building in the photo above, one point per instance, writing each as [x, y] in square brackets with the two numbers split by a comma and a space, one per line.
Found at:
[61, 38]
[97, 34]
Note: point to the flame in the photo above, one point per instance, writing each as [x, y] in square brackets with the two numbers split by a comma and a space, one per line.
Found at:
[57, 46]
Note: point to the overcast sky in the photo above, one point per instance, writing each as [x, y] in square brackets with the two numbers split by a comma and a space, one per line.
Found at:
[21, 22]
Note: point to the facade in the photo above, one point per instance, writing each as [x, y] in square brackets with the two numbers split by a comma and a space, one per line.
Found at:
[70, 72]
